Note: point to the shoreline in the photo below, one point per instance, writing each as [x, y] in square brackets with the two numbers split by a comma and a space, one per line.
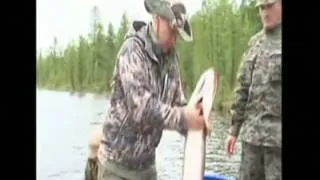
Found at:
[215, 116]
[74, 93]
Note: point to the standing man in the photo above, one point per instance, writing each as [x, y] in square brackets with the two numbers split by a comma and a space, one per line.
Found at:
[146, 95]
[257, 103]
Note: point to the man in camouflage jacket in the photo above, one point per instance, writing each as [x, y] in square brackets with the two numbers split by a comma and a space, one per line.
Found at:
[257, 104]
[146, 96]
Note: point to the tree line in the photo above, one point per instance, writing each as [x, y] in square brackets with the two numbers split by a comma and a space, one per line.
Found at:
[221, 30]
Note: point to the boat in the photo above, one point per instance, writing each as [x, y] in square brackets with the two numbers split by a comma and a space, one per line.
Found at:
[216, 176]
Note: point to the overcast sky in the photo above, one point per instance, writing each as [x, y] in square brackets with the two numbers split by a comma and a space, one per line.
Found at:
[67, 19]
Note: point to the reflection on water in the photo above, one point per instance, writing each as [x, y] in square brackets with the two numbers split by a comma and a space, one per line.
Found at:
[63, 126]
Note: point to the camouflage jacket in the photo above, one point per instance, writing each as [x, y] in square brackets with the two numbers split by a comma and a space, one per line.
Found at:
[146, 98]
[257, 102]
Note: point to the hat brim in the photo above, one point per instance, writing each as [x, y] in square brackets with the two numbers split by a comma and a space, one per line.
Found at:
[258, 4]
[186, 32]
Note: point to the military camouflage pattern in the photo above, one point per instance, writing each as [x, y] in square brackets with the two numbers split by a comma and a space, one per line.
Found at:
[257, 102]
[175, 12]
[91, 170]
[146, 98]
[260, 163]
[265, 2]
[113, 171]
[160, 7]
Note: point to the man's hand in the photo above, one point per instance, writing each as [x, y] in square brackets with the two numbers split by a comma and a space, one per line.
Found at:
[194, 116]
[231, 145]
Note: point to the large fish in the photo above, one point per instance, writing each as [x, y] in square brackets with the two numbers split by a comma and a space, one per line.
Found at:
[195, 144]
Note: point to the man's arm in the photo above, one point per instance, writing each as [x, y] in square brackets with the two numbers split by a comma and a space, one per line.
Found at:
[241, 94]
[179, 100]
[145, 106]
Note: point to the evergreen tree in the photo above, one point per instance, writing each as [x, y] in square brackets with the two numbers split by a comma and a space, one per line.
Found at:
[221, 31]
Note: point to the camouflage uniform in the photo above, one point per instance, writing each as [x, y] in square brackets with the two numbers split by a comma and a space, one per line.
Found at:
[91, 170]
[257, 106]
[146, 98]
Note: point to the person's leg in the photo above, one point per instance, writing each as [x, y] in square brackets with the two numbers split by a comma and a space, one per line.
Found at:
[91, 170]
[273, 163]
[149, 174]
[251, 166]
[105, 174]
[112, 171]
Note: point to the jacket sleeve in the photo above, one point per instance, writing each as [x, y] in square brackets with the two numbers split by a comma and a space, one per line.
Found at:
[180, 101]
[241, 94]
[145, 106]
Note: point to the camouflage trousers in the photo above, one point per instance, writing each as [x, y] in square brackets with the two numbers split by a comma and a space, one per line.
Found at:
[260, 163]
[112, 171]
[91, 170]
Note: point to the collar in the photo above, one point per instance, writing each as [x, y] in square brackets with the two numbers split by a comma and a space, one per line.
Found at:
[153, 47]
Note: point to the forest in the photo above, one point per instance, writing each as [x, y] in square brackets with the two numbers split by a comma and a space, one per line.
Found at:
[221, 31]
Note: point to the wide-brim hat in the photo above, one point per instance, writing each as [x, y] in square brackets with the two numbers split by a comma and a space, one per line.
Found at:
[175, 12]
[265, 2]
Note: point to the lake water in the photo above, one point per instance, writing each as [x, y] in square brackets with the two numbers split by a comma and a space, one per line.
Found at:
[64, 122]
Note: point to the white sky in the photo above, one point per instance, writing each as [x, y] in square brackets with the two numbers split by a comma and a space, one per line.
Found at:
[67, 19]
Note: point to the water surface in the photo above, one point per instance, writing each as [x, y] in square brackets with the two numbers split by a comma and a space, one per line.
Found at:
[64, 122]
